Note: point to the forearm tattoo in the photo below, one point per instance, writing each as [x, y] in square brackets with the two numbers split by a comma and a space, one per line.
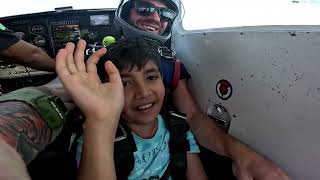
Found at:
[23, 128]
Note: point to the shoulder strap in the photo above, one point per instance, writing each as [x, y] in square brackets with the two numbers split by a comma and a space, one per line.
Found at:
[171, 67]
[176, 73]
[178, 145]
[124, 148]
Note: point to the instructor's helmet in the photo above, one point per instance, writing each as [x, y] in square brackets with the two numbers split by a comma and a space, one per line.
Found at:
[127, 29]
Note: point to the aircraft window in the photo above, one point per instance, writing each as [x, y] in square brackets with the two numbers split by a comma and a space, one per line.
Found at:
[207, 14]
[17, 7]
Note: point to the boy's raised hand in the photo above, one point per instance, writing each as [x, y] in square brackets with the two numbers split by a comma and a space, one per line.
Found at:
[100, 102]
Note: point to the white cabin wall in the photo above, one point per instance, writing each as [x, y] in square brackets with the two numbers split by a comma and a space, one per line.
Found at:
[275, 76]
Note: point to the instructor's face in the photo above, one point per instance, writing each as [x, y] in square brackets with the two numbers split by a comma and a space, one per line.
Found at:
[150, 23]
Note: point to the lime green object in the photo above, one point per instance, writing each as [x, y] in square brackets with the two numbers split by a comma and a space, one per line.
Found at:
[108, 40]
[50, 108]
[2, 27]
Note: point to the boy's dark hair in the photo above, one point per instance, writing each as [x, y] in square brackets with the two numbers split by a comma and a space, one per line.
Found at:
[130, 52]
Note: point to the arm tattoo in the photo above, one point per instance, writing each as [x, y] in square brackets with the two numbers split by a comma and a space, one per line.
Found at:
[23, 128]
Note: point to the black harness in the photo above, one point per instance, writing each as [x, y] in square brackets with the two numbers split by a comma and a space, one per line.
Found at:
[178, 146]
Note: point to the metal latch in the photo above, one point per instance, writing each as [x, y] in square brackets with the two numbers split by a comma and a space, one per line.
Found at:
[166, 52]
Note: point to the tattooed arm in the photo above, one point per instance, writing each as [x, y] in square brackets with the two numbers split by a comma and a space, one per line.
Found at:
[23, 129]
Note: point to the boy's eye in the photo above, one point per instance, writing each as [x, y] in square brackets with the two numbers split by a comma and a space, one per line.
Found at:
[125, 83]
[152, 77]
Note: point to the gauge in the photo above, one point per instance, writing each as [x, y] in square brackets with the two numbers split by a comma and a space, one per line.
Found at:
[37, 29]
[98, 20]
[39, 41]
[92, 35]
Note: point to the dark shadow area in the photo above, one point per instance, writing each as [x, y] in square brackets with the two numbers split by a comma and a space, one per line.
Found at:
[216, 166]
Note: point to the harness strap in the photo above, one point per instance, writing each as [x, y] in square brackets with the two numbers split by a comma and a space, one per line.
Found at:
[178, 145]
[123, 153]
[171, 66]
[176, 73]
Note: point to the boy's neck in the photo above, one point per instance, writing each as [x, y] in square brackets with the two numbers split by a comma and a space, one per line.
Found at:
[145, 131]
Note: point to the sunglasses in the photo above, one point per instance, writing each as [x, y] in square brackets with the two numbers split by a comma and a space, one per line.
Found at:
[144, 8]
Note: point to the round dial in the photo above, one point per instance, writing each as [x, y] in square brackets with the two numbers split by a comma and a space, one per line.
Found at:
[39, 41]
[37, 29]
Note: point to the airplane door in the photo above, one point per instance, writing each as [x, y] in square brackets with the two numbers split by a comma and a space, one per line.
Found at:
[268, 79]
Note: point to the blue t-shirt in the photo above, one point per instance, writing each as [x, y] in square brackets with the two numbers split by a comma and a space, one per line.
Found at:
[152, 155]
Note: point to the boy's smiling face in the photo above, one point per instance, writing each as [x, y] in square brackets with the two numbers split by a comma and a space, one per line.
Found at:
[143, 92]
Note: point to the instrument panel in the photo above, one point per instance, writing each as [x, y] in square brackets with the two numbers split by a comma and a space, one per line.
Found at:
[50, 31]
[64, 31]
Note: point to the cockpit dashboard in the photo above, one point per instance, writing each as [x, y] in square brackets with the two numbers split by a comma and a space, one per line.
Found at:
[50, 31]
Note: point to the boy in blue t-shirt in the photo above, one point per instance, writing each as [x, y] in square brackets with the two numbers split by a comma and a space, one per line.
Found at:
[138, 62]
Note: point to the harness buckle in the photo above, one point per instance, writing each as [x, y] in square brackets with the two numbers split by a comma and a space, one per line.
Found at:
[123, 136]
[178, 115]
[166, 52]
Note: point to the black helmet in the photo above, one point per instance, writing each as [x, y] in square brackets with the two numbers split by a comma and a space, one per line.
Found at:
[129, 30]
